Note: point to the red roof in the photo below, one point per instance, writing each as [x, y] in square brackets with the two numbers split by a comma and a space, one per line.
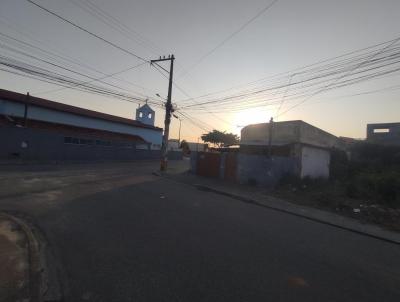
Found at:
[22, 98]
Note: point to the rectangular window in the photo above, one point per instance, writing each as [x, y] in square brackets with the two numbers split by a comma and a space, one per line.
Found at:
[384, 130]
[67, 140]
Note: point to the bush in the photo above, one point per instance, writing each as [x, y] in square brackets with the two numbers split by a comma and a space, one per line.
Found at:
[382, 187]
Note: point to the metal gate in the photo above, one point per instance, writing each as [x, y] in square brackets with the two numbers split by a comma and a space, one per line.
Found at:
[208, 164]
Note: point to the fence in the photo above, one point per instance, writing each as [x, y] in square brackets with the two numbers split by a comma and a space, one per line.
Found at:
[258, 170]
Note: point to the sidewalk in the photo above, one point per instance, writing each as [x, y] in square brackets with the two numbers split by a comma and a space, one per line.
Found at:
[14, 262]
[258, 197]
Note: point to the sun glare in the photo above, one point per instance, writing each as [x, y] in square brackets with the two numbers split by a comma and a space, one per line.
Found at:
[249, 116]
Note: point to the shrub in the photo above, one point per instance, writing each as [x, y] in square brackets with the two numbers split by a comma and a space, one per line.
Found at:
[382, 187]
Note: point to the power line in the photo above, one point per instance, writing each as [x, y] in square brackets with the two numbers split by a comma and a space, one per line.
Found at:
[211, 51]
[318, 76]
[106, 18]
[42, 74]
[88, 32]
[63, 57]
[94, 80]
[289, 73]
[341, 77]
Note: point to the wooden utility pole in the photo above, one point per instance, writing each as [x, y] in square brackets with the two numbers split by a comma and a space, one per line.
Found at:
[168, 111]
[270, 129]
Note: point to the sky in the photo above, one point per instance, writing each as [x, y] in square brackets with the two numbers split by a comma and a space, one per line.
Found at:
[291, 34]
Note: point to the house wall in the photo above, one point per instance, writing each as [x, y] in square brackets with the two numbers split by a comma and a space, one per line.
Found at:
[287, 133]
[391, 137]
[45, 145]
[43, 114]
[282, 133]
[264, 171]
[309, 134]
[314, 162]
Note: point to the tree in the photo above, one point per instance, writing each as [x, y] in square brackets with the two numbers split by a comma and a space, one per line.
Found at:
[185, 147]
[220, 139]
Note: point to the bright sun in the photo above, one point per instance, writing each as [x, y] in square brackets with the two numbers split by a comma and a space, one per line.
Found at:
[249, 116]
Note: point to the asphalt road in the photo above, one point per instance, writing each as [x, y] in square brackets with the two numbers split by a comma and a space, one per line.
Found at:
[123, 234]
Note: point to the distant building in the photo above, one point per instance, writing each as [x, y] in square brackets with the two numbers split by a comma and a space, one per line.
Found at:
[297, 147]
[174, 145]
[39, 129]
[384, 133]
[197, 147]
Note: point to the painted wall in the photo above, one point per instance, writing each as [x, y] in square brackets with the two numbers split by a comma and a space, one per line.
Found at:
[264, 171]
[146, 115]
[44, 145]
[314, 162]
[386, 133]
[48, 115]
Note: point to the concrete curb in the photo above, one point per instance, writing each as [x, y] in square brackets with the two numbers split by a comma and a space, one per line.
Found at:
[33, 258]
[42, 284]
[316, 215]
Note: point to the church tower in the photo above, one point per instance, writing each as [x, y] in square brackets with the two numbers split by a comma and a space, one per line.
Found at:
[145, 115]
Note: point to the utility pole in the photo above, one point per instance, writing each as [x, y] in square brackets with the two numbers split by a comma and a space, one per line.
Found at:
[168, 111]
[179, 136]
[270, 128]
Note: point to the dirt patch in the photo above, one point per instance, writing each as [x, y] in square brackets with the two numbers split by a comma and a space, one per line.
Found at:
[331, 196]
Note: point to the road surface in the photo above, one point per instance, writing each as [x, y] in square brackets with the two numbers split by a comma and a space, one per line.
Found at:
[121, 233]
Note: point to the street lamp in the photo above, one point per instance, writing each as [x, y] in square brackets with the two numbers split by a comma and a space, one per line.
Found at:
[180, 122]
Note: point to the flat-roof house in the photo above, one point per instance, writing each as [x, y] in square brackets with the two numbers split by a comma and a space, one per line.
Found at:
[289, 147]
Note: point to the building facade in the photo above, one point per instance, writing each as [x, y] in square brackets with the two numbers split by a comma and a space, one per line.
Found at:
[384, 133]
[34, 128]
[292, 147]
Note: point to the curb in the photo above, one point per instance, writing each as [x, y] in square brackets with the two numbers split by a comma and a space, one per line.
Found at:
[42, 287]
[315, 215]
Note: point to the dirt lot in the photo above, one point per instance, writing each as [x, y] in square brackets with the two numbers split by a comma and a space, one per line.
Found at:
[332, 197]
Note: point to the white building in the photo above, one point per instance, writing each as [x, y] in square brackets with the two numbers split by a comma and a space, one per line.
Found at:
[308, 145]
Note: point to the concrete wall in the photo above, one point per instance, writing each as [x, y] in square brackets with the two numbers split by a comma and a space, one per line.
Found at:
[258, 134]
[287, 133]
[317, 137]
[386, 133]
[44, 145]
[42, 114]
[314, 162]
[264, 171]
